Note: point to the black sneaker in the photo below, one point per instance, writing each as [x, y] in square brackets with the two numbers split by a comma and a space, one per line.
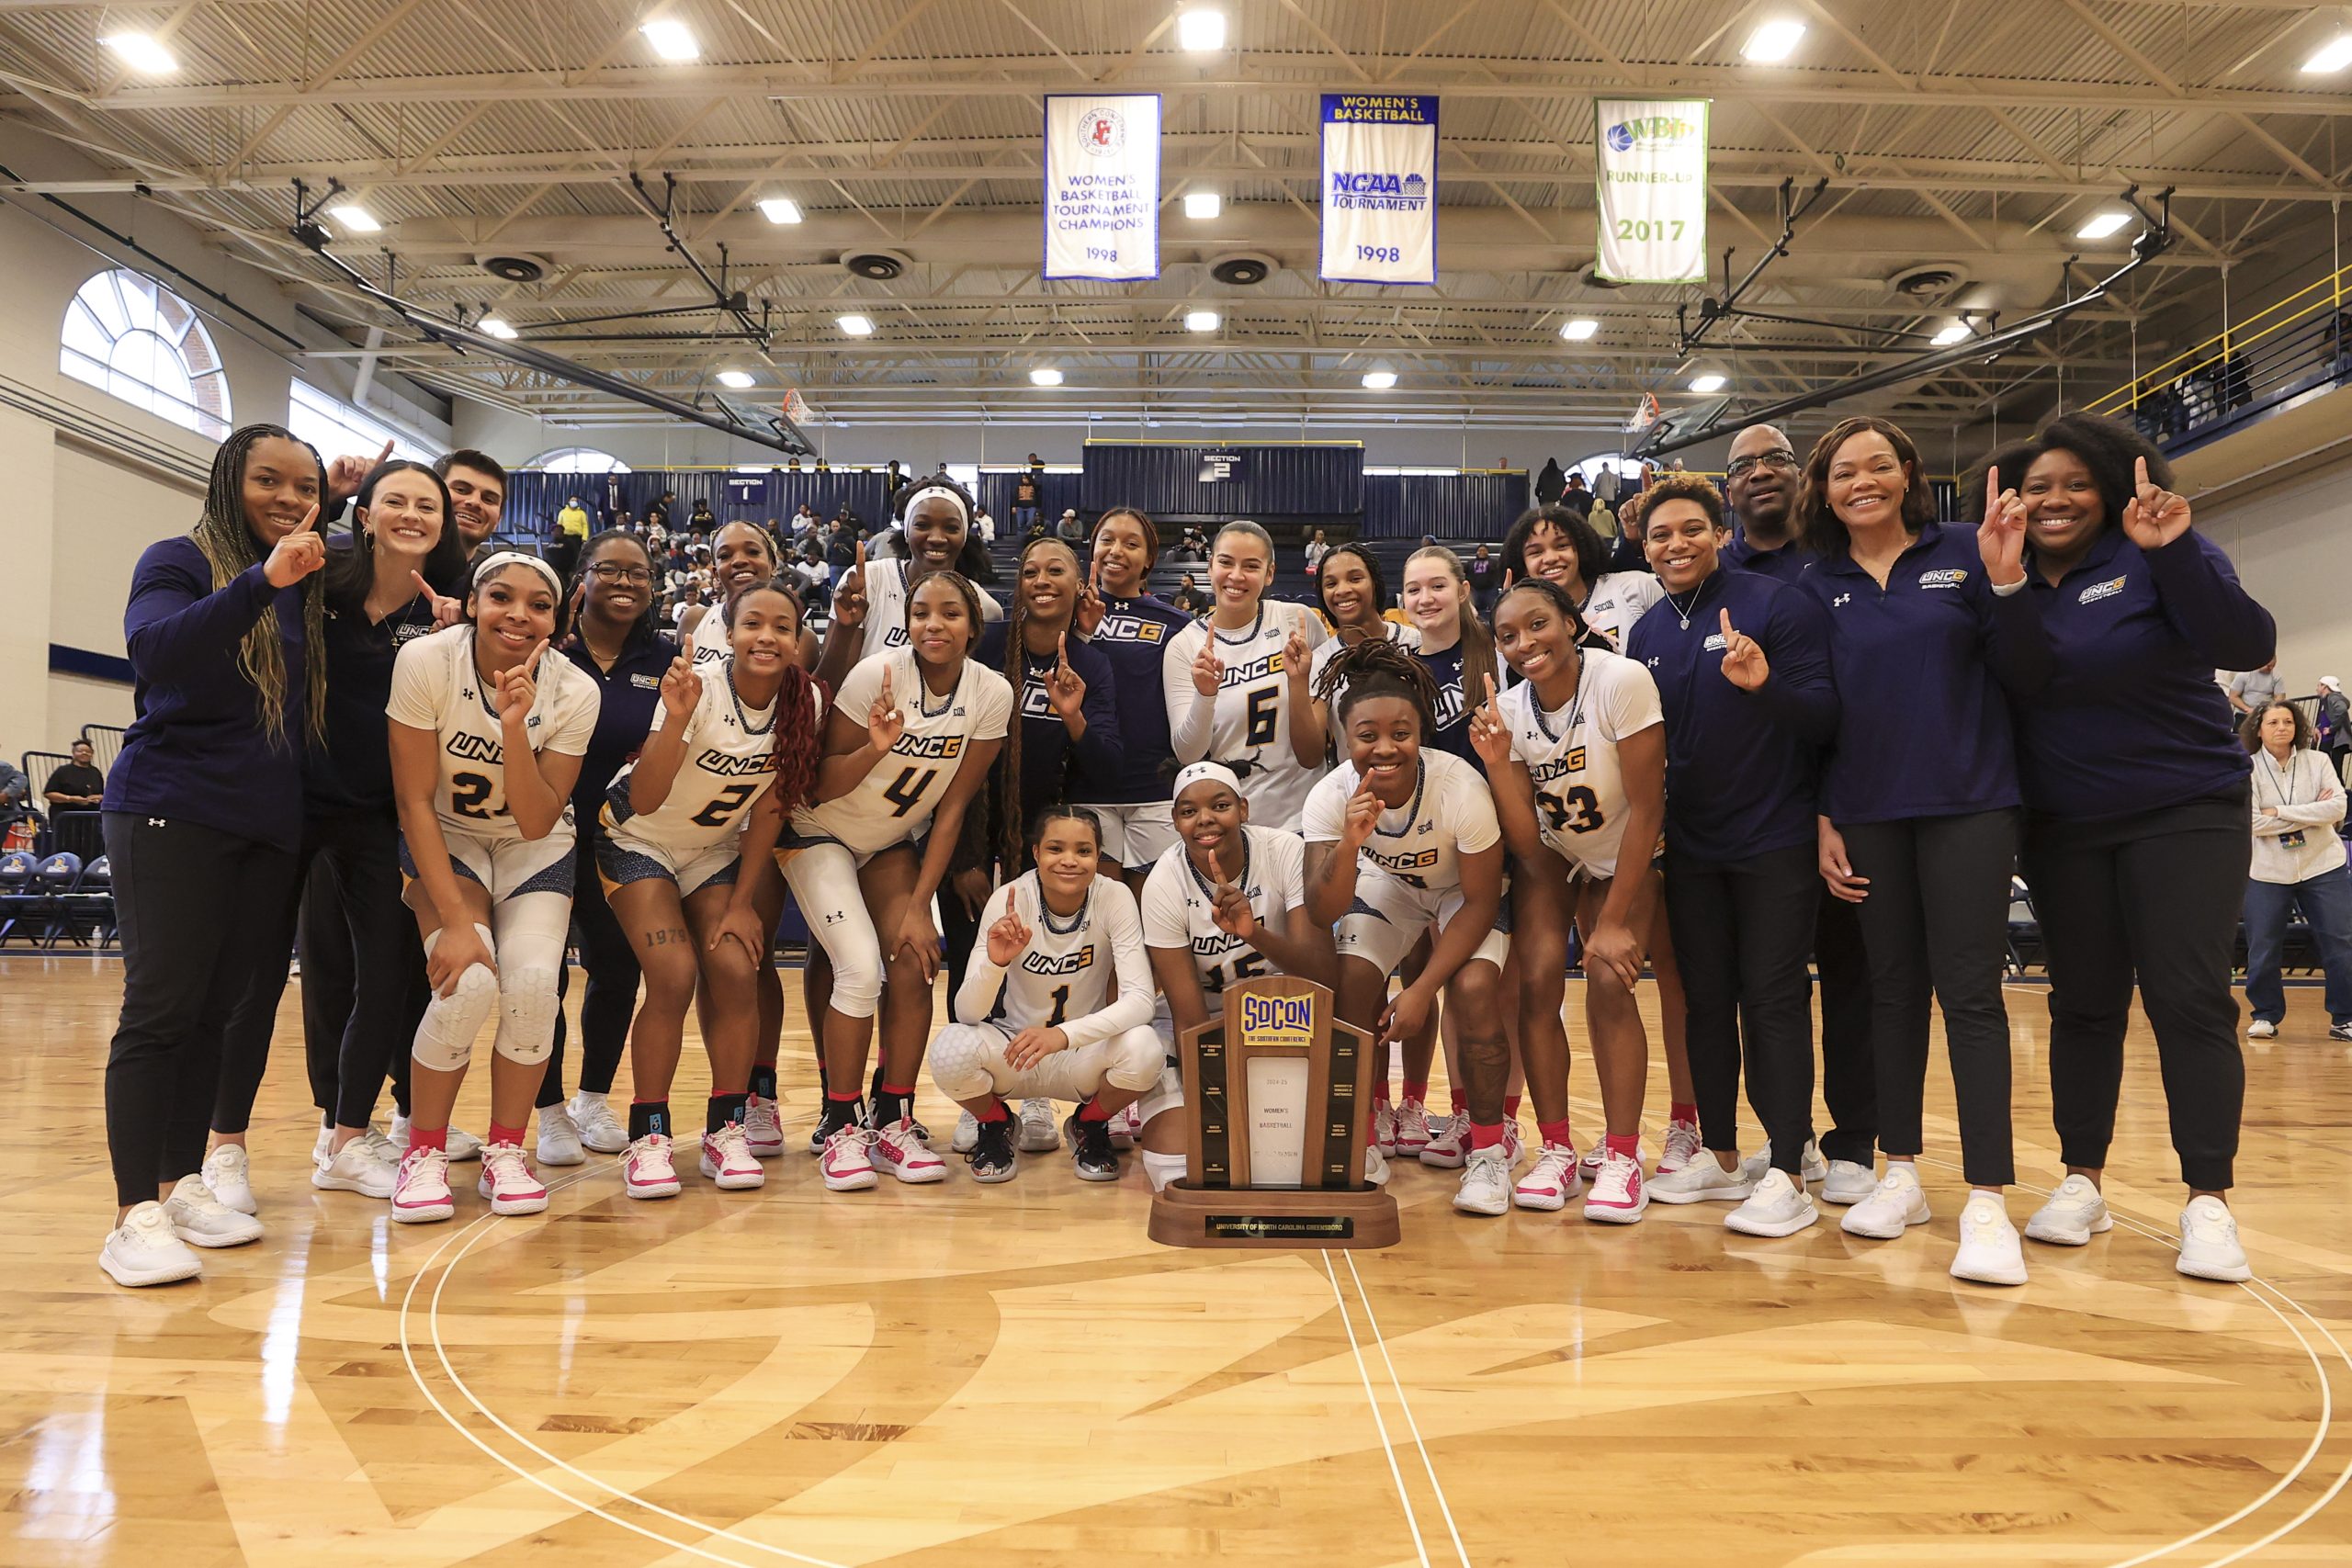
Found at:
[1091, 1153]
[992, 1158]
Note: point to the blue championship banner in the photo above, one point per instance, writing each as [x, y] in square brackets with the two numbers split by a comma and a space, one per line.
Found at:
[1102, 186]
[1379, 187]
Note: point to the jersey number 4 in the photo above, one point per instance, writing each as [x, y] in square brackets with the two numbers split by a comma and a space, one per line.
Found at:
[724, 805]
[1576, 811]
[469, 796]
[906, 791]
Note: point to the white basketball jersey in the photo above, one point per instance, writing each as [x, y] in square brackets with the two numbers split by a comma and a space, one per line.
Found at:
[885, 606]
[730, 763]
[1420, 842]
[1251, 717]
[1617, 601]
[895, 802]
[1071, 967]
[1571, 755]
[436, 688]
[1178, 903]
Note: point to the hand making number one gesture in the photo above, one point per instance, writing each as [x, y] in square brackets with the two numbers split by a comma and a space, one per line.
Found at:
[517, 689]
[2154, 516]
[849, 595]
[1065, 688]
[1232, 914]
[886, 720]
[1208, 671]
[2000, 538]
[1745, 665]
[1362, 816]
[680, 687]
[1009, 937]
[298, 553]
[1091, 608]
[1489, 736]
[446, 612]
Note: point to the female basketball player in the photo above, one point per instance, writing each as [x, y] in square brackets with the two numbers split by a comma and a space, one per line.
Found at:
[1577, 757]
[1402, 841]
[487, 737]
[741, 554]
[1555, 544]
[1235, 682]
[908, 744]
[668, 845]
[870, 601]
[1132, 627]
[1452, 643]
[1228, 902]
[1354, 592]
[1056, 1004]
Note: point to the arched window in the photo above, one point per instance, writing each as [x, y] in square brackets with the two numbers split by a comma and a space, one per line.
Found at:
[577, 460]
[134, 339]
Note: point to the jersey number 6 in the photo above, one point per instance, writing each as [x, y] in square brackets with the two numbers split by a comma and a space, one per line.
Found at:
[1262, 714]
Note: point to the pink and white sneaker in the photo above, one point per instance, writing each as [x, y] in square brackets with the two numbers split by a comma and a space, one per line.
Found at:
[1681, 1147]
[1551, 1181]
[1448, 1142]
[727, 1160]
[648, 1169]
[1514, 1146]
[763, 1128]
[1412, 1129]
[1383, 1127]
[1618, 1196]
[507, 1182]
[421, 1191]
[1125, 1127]
[897, 1150]
[844, 1161]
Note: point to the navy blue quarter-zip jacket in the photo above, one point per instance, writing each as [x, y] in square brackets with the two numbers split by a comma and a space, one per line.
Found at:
[631, 692]
[2129, 719]
[1785, 564]
[1739, 765]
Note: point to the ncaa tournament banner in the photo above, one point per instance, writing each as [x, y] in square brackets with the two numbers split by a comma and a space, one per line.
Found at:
[1650, 167]
[1379, 188]
[1102, 186]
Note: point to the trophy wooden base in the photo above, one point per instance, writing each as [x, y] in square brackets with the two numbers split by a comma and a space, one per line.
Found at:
[1186, 1215]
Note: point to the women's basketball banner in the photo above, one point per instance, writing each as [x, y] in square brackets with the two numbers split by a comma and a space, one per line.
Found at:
[1379, 187]
[1650, 163]
[1103, 186]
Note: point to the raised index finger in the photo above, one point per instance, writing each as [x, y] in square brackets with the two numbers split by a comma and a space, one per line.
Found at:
[1728, 633]
[311, 518]
[1992, 488]
[2140, 480]
[386, 455]
[686, 646]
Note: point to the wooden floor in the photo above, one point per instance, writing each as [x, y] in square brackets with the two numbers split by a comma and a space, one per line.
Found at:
[962, 1375]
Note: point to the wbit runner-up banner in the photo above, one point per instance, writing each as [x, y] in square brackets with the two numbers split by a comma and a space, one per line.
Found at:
[1650, 165]
[1379, 187]
[1103, 186]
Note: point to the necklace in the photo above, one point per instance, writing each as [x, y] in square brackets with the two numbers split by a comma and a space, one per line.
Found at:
[745, 718]
[1575, 710]
[1208, 888]
[1257, 625]
[1046, 913]
[923, 695]
[1683, 611]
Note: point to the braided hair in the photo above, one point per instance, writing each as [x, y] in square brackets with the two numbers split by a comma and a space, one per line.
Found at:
[1378, 668]
[801, 702]
[227, 540]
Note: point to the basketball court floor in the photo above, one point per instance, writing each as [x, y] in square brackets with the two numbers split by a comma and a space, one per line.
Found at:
[959, 1374]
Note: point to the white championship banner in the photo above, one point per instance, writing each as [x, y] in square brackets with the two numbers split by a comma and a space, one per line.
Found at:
[1650, 168]
[1379, 187]
[1103, 186]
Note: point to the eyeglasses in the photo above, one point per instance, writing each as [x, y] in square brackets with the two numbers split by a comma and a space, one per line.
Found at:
[635, 576]
[1772, 459]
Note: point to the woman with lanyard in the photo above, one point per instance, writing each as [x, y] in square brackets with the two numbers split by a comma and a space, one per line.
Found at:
[1742, 667]
[2135, 846]
[1919, 802]
[1122, 619]
[203, 822]
[1236, 683]
[1556, 544]
[615, 643]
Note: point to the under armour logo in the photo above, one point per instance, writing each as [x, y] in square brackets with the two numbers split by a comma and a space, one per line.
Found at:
[1841, 599]
[1652, 661]
[155, 822]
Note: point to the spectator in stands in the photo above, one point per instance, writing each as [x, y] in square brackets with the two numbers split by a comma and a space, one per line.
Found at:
[1486, 583]
[1189, 598]
[1069, 530]
[570, 533]
[700, 520]
[15, 791]
[1194, 547]
[78, 786]
[805, 522]
[688, 602]
[1550, 482]
[1576, 497]
[984, 525]
[1025, 491]
[658, 514]
[815, 577]
[573, 518]
[2299, 864]
[1317, 548]
[2254, 689]
[2334, 722]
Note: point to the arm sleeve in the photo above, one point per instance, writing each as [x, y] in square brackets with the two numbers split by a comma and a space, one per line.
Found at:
[975, 998]
[1189, 715]
[174, 615]
[1326, 806]
[1799, 694]
[416, 697]
[1099, 750]
[2016, 643]
[2205, 604]
[1163, 911]
[1130, 1005]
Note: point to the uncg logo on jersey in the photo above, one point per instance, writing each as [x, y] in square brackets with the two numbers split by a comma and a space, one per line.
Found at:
[1448, 707]
[1035, 702]
[646, 682]
[1129, 628]
[1064, 963]
[1404, 861]
[730, 765]
[1558, 766]
[937, 747]
[1236, 674]
[1946, 577]
[475, 747]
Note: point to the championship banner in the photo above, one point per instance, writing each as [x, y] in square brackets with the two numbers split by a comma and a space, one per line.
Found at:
[1102, 186]
[1379, 188]
[1650, 169]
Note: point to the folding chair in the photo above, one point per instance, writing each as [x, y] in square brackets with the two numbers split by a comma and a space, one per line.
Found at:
[57, 877]
[22, 898]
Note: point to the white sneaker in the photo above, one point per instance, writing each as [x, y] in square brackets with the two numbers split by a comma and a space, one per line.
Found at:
[1383, 1127]
[1412, 1129]
[2209, 1243]
[1040, 1132]
[380, 1149]
[145, 1250]
[899, 1152]
[1514, 1146]
[1682, 1146]
[200, 1219]
[2075, 1214]
[2262, 1028]
[1486, 1183]
[844, 1161]
[355, 1167]
[598, 1128]
[1702, 1182]
[507, 1180]
[1894, 1205]
[968, 1134]
[457, 1145]
[228, 1174]
[1777, 1207]
[649, 1169]
[1619, 1194]
[1375, 1166]
[1848, 1182]
[559, 1138]
[1811, 1166]
[1551, 1181]
[1989, 1253]
[421, 1191]
[1128, 1126]
[1448, 1142]
[727, 1160]
[323, 1145]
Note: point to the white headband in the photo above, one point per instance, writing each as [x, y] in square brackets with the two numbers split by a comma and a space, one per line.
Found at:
[505, 558]
[943, 493]
[1206, 773]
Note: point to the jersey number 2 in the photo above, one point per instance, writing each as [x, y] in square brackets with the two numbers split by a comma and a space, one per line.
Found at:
[470, 797]
[723, 805]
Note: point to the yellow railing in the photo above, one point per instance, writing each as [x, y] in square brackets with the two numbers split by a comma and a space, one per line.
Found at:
[2330, 293]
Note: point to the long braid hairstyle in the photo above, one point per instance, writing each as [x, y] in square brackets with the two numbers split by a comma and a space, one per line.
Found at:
[1378, 668]
[1478, 644]
[802, 702]
[230, 547]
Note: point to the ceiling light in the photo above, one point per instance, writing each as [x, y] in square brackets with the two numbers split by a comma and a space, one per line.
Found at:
[1710, 382]
[1201, 320]
[495, 326]
[141, 52]
[857, 326]
[1200, 28]
[739, 379]
[1203, 204]
[671, 40]
[356, 218]
[2331, 57]
[2101, 226]
[1773, 42]
[1956, 332]
[1044, 376]
[1579, 330]
[1379, 381]
[780, 209]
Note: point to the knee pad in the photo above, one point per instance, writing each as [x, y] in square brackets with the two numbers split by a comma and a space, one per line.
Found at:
[959, 1063]
[1137, 1058]
[1161, 1168]
[527, 1004]
[858, 984]
[445, 1036]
